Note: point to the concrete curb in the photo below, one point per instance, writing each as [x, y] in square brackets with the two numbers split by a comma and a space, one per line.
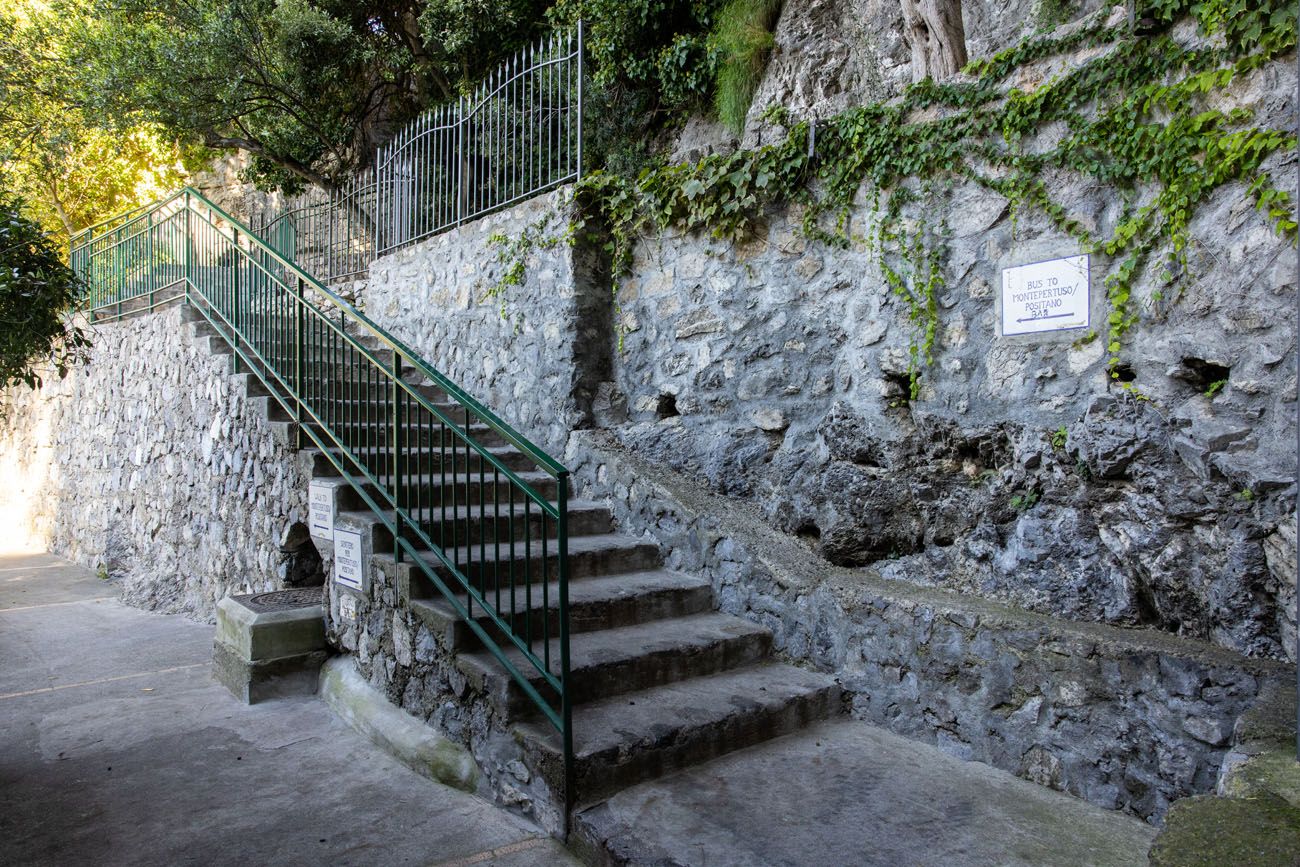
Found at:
[393, 730]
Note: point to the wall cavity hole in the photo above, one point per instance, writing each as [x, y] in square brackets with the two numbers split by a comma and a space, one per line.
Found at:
[898, 388]
[809, 530]
[1123, 373]
[1207, 377]
[666, 406]
[302, 563]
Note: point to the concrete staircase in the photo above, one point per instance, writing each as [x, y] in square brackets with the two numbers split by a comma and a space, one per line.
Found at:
[660, 680]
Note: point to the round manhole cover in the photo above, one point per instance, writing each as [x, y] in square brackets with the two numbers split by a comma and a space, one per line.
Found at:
[295, 598]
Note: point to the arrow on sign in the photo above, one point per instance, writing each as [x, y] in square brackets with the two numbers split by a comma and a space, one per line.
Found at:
[1041, 318]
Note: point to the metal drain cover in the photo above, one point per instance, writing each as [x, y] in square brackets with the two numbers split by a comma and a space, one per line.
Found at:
[278, 600]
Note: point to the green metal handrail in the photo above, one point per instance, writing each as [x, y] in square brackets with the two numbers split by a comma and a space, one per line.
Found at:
[324, 362]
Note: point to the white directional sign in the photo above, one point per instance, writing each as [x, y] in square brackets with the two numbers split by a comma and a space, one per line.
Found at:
[1045, 296]
[349, 565]
[320, 499]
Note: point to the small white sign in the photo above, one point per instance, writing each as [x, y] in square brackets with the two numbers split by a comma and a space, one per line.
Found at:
[320, 499]
[1045, 296]
[347, 608]
[349, 565]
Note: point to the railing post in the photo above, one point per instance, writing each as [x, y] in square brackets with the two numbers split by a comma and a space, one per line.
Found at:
[566, 691]
[297, 363]
[87, 259]
[235, 304]
[460, 161]
[189, 249]
[399, 458]
[580, 99]
[149, 256]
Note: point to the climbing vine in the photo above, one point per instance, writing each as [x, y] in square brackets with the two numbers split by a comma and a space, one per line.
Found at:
[1136, 116]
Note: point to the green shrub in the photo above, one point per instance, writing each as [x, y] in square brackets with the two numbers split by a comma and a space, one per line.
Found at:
[742, 40]
[37, 290]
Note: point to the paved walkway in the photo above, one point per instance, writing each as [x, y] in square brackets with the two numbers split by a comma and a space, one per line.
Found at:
[118, 748]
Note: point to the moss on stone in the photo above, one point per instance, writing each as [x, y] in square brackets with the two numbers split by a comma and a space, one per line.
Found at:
[1206, 831]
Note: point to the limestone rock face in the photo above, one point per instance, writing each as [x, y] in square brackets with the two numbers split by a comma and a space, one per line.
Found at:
[830, 55]
[1021, 471]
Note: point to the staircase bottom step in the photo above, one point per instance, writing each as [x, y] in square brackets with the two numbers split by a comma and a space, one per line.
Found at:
[627, 739]
[848, 793]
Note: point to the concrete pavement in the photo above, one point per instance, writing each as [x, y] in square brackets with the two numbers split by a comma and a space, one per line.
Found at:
[118, 748]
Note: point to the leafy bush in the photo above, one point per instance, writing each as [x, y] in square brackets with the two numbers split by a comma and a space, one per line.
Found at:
[37, 290]
[651, 64]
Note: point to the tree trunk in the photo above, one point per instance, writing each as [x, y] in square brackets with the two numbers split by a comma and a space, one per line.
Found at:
[935, 32]
[52, 188]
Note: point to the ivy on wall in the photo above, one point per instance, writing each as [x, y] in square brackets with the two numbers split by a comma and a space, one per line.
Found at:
[1138, 116]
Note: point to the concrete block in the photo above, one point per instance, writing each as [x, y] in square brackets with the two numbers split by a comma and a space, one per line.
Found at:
[253, 682]
[269, 645]
[259, 632]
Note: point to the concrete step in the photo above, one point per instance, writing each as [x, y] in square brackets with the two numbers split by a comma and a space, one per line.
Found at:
[252, 384]
[589, 556]
[268, 407]
[356, 407]
[456, 489]
[843, 792]
[318, 359]
[594, 604]
[425, 461]
[628, 739]
[624, 660]
[492, 525]
[360, 433]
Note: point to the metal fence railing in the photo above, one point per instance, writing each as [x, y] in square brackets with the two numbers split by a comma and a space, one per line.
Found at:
[519, 133]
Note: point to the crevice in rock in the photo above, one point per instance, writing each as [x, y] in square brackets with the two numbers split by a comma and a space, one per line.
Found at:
[898, 388]
[809, 530]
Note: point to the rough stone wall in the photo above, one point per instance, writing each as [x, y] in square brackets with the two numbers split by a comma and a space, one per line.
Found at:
[776, 370]
[533, 354]
[152, 465]
[1126, 719]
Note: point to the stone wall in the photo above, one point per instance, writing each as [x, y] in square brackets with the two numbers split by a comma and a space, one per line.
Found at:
[151, 465]
[1126, 719]
[535, 353]
[776, 370]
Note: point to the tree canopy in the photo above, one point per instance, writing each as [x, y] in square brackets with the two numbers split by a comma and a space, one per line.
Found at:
[68, 167]
[106, 103]
[309, 89]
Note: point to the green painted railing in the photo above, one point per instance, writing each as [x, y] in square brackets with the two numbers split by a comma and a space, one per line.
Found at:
[415, 454]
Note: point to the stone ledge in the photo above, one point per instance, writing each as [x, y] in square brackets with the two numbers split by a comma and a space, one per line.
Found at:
[795, 567]
[393, 730]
